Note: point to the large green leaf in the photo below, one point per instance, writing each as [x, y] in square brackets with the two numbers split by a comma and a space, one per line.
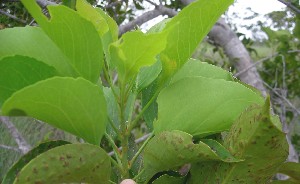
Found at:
[202, 106]
[33, 42]
[135, 50]
[25, 159]
[71, 163]
[169, 150]
[192, 25]
[254, 138]
[74, 35]
[196, 68]
[17, 72]
[74, 105]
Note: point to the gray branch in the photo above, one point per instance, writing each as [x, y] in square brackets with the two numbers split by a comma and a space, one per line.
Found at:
[9, 148]
[291, 6]
[12, 17]
[22, 144]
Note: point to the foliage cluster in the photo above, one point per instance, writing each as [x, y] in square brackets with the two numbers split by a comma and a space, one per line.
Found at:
[206, 125]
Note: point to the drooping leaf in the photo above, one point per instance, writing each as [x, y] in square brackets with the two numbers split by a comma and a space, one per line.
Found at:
[147, 75]
[292, 170]
[33, 42]
[17, 72]
[71, 163]
[192, 25]
[76, 37]
[169, 150]
[135, 50]
[202, 106]
[25, 159]
[195, 68]
[73, 105]
[254, 138]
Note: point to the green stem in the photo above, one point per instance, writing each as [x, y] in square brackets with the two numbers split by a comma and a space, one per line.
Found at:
[115, 148]
[108, 78]
[112, 182]
[124, 132]
[140, 150]
[139, 174]
[114, 126]
[136, 120]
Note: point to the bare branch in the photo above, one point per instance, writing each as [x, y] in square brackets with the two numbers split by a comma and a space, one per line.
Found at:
[12, 17]
[291, 6]
[159, 10]
[23, 145]
[9, 148]
[139, 21]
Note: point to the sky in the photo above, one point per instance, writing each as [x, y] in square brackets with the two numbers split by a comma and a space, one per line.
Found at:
[261, 7]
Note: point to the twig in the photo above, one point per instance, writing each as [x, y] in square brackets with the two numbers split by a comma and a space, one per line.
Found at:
[13, 17]
[140, 150]
[10, 148]
[289, 5]
[285, 99]
[137, 141]
[261, 61]
[22, 144]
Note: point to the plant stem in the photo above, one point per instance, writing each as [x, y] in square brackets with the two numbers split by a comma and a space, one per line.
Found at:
[115, 148]
[140, 150]
[135, 121]
[139, 174]
[124, 132]
[114, 126]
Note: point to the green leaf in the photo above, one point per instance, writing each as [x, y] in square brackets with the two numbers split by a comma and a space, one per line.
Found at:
[33, 42]
[292, 170]
[17, 72]
[192, 25]
[254, 138]
[159, 26]
[196, 68]
[25, 159]
[74, 105]
[71, 163]
[92, 15]
[106, 27]
[202, 106]
[166, 179]
[147, 75]
[74, 35]
[135, 50]
[169, 150]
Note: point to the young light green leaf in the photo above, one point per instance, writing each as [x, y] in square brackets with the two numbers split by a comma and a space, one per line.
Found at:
[254, 138]
[17, 72]
[193, 24]
[193, 105]
[91, 14]
[135, 50]
[74, 105]
[169, 150]
[196, 68]
[71, 163]
[25, 159]
[33, 42]
[75, 36]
